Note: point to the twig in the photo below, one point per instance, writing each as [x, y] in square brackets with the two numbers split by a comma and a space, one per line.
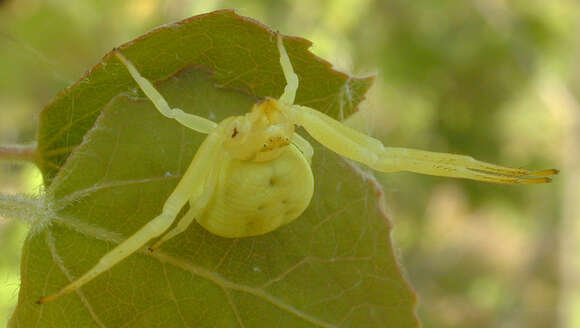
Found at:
[18, 153]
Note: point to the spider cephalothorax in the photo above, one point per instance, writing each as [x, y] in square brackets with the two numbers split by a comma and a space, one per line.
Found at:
[261, 134]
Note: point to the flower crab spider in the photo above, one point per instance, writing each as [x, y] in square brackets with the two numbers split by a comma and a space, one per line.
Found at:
[252, 173]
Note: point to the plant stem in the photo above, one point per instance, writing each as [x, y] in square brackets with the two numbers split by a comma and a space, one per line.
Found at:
[18, 153]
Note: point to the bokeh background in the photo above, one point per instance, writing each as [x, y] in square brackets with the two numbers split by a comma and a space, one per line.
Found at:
[497, 79]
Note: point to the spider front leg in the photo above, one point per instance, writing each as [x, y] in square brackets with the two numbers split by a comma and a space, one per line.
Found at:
[193, 122]
[371, 152]
[304, 146]
[202, 164]
[201, 197]
[359, 147]
[291, 78]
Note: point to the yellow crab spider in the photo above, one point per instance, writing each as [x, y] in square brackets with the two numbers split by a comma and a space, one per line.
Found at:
[252, 173]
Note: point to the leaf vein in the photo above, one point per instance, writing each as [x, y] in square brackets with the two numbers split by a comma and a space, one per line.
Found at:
[64, 201]
[234, 307]
[173, 298]
[49, 239]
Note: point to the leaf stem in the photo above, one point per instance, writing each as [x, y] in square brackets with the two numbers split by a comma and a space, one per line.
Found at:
[19, 153]
[35, 210]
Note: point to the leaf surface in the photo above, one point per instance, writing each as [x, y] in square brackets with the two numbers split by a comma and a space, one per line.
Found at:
[332, 267]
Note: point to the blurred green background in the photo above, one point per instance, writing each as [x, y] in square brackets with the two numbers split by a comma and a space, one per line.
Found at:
[497, 79]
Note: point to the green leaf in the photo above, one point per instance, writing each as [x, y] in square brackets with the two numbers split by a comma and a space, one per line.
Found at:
[334, 266]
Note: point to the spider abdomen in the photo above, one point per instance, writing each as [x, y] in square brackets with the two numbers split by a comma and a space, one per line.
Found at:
[254, 198]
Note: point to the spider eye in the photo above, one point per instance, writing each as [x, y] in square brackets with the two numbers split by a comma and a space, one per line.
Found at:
[235, 132]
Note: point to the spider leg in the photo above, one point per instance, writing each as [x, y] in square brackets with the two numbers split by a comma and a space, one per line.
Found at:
[191, 121]
[303, 145]
[197, 203]
[360, 147]
[198, 169]
[291, 78]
